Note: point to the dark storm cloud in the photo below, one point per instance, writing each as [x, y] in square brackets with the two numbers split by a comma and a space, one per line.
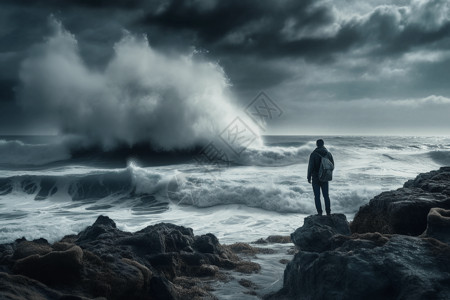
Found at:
[394, 30]
[272, 28]
[275, 29]
[270, 45]
[244, 27]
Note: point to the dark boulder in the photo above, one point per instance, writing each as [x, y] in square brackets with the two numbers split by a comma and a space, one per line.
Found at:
[405, 211]
[26, 248]
[274, 239]
[53, 267]
[17, 287]
[103, 228]
[371, 267]
[316, 232]
[206, 244]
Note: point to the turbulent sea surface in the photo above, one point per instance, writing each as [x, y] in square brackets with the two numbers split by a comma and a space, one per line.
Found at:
[47, 190]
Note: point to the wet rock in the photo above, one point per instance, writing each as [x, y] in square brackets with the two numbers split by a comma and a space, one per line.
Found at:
[274, 239]
[369, 267]
[249, 285]
[206, 270]
[55, 266]
[103, 261]
[247, 267]
[279, 239]
[405, 211]
[26, 248]
[21, 287]
[434, 181]
[246, 249]
[103, 228]
[192, 288]
[316, 232]
[375, 263]
[438, 225]
[206, 244]
[6, 254]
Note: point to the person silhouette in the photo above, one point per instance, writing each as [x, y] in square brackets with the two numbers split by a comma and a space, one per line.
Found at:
[313, 173]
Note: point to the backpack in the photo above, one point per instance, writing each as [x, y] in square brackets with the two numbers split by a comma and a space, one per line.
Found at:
[326, 169]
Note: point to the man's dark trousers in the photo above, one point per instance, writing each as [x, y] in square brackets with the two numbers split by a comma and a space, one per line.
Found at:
[317, 185]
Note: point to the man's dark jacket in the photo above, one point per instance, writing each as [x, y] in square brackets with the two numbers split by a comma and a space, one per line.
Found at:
[314, 162]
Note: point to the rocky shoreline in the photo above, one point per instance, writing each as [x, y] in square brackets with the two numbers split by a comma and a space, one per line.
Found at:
[163, 261]
[397, 247]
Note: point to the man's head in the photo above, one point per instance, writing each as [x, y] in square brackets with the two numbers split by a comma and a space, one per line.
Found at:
[320, 143]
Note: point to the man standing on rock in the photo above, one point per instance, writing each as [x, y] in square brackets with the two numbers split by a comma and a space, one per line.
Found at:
[320, 168]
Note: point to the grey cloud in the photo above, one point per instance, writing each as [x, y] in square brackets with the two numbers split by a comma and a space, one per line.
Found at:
[272, 45]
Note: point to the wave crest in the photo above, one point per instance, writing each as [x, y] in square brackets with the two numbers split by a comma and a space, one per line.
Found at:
[140, 96]
[276, 155]
[128, 183]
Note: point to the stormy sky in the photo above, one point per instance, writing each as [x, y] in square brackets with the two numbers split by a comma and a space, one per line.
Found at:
[333, 67]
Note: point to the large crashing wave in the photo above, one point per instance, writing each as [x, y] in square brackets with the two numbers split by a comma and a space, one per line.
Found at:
[140, 96]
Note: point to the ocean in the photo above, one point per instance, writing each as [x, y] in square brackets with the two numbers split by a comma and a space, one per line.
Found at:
[45, 191]
[48, 191]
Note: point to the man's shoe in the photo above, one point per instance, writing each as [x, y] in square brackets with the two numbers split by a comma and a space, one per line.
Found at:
[319, 214]
[328, 213]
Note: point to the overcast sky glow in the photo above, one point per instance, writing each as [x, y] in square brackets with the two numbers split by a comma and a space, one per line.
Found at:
[334, 67]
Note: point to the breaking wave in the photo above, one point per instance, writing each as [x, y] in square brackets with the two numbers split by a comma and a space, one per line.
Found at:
[129, 183]
[141, 96]
[276, 155]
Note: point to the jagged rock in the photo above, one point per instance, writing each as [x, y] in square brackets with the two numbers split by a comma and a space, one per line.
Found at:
[55, 266]
[438, 225]
[405, 211]
[370, 266]
[316, 232]
[433, 182]
[244, 248]
[103, 261]
[103, 228]
[6, 254]
[274, 239]
[248, 267]
[26, 248]
[279, 239]
[206, 244]
[361, 240]
[374, 265]
[20, 287]
[247, 283]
